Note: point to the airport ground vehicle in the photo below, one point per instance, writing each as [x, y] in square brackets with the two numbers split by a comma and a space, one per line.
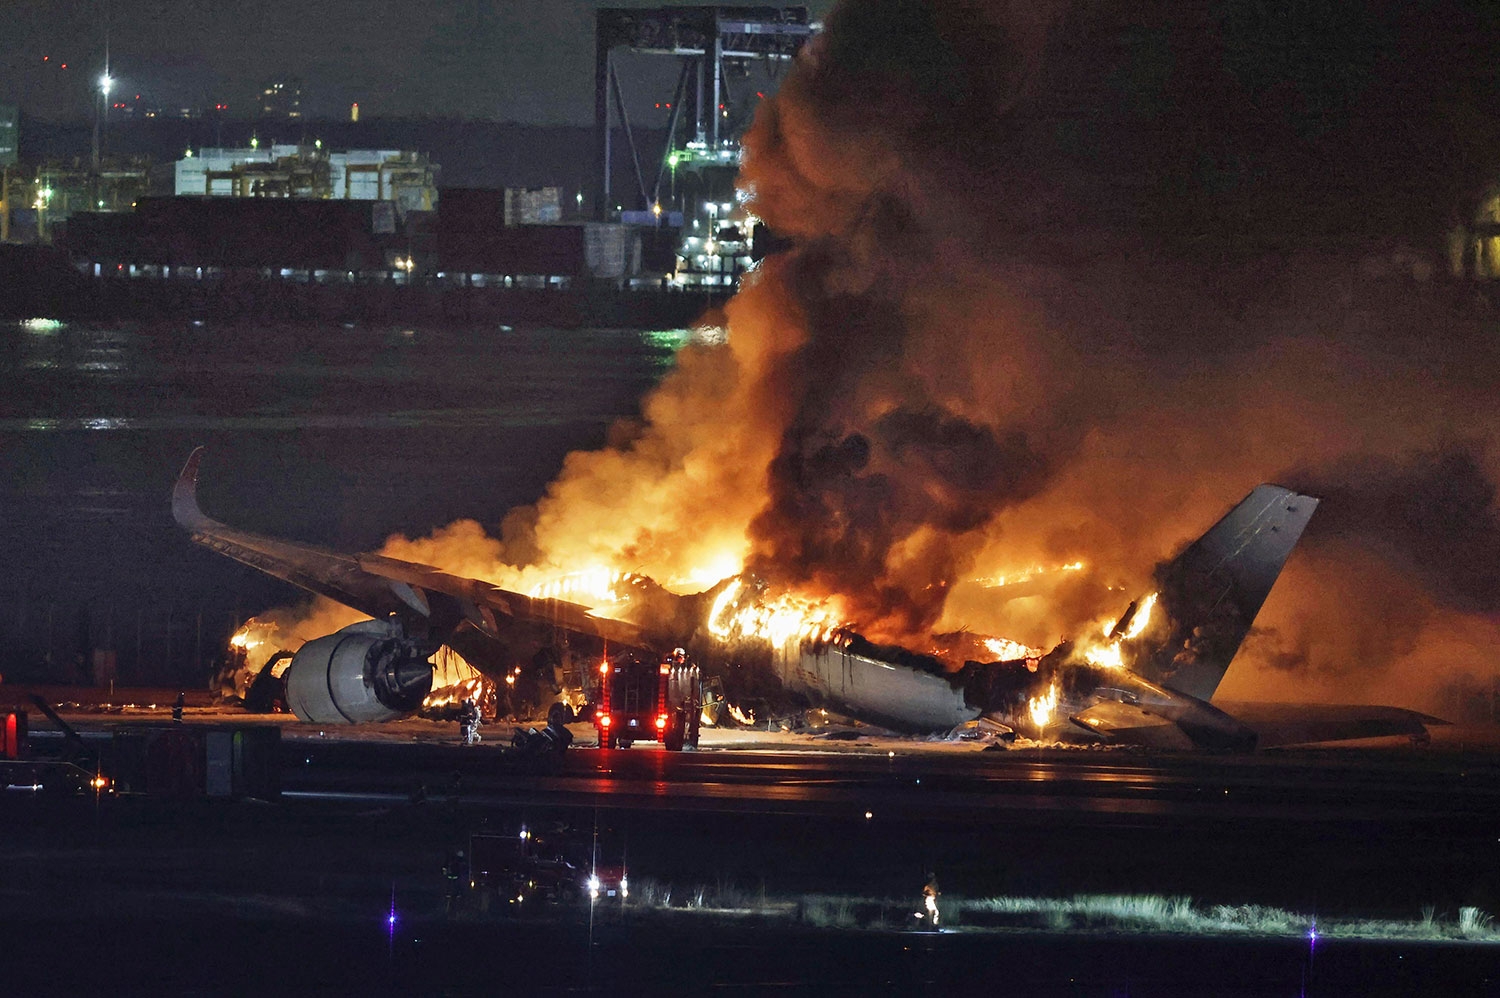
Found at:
[554, 866]
[648, 702]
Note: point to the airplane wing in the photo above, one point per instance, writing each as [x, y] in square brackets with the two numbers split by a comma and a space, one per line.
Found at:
[1280, 724]
[383, 587]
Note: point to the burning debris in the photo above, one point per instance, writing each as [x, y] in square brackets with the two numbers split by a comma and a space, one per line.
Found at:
[743, 717]
[1041, 708]
[257, 648]
[1110, 653]
[1005, 650]
[446, 703]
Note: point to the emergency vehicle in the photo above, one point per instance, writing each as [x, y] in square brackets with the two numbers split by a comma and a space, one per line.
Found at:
[641, 701]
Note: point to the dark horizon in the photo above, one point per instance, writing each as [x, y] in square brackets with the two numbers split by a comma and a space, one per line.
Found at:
[530, 62]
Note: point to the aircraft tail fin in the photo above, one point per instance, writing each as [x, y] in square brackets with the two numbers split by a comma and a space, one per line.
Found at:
[1209, 594]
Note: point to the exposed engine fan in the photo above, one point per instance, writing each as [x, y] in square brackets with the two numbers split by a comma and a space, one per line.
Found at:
[369, 671]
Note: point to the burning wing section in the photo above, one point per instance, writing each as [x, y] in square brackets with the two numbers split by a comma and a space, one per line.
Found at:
[378, 669]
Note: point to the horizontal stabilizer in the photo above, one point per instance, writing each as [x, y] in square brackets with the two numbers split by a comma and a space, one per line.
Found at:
[1114, 721]
[1305, 724]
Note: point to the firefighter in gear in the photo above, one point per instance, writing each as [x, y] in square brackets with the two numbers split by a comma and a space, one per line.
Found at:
[468, 722]
[930, 894]
[455, 870]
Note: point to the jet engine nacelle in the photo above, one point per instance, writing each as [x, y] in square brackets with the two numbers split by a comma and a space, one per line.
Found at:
[369, 671]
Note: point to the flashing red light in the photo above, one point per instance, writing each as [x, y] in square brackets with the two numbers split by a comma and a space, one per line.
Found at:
[604, 720]
[661, 722]
[760, 94]
[46, 58]
[64, 65]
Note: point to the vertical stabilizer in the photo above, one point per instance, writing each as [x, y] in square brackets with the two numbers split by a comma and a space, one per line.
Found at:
[1212, 591]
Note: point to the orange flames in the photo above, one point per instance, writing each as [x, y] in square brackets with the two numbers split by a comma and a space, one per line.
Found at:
[258, 639]
[1001, 580]
[1006, 650]
[1109, 653]
[777, 620]
[474, 688]
[1042, 707]
[745, 717]
[590, 586]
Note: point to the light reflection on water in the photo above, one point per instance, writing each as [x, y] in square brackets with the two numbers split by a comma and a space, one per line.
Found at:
[175, 376]
[431, 418]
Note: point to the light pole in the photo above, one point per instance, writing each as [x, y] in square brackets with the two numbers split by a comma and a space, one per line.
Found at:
[106, 84]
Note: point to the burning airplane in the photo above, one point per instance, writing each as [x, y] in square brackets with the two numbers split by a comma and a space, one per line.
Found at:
[1145, 678]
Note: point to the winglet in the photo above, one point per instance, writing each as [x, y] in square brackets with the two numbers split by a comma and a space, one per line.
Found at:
[185, 495]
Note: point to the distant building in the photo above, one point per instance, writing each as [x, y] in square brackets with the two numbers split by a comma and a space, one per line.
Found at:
[10, 130]
[282, 98]
[406, 178]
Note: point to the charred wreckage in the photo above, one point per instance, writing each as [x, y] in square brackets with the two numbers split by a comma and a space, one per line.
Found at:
[1147, 679]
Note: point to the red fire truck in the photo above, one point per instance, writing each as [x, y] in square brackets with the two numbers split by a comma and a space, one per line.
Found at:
[640, 701]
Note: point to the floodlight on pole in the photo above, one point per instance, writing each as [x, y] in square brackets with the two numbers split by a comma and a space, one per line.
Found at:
[106, 84]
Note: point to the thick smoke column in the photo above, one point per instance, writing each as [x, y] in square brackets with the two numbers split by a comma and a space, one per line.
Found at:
[882, 476]
[1065, 285]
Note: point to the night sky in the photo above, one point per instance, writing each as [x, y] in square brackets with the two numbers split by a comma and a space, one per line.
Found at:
[513, 60]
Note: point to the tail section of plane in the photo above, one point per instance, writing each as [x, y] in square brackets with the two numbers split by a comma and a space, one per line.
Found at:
[1209, 594]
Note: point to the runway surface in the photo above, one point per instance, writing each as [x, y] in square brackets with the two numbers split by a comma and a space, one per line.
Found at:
[368, 814]
[798, 779]
[1373, 827]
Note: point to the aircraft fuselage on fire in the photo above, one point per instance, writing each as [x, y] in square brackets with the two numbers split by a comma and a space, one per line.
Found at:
[1148, 682]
